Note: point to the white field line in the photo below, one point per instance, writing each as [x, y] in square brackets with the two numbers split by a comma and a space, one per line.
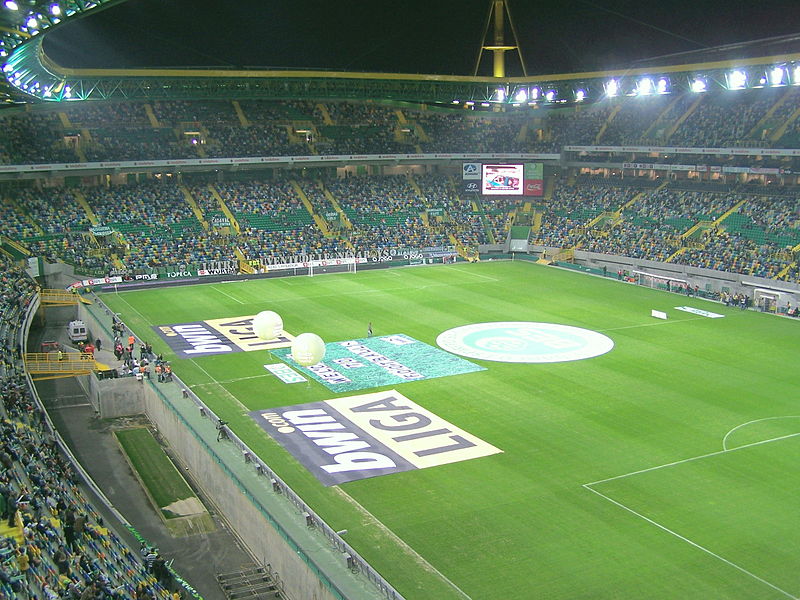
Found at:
[222, 387]
[693, 458]
[451, 268]
[725, 439]
[234, 380]
[399, 541]
[226, 294]
[652, 324]
[691, 543]
[141, 316]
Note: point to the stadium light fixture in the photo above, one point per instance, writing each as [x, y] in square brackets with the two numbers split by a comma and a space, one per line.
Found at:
[645, 87]
[698, 85]
[612, 88]
[11, 5]
[521, 96]
[535, 93]
[776, 76]
[32, 23]
[796, 77]
[500, 94]
[55, 10]
[485, 104]
[580, 95]
[662, 87]
[456, 102]
[737, 80]
[550, 95]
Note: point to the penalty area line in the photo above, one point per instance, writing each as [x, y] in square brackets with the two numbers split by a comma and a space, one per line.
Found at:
[691, 543]
[226, 294]
[693, 458]
[451, 268]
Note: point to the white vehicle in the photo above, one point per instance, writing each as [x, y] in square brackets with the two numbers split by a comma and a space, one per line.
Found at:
[77, 332]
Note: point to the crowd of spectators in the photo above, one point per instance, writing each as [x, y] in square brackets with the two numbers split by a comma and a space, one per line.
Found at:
[157, 229]
[222, 128]
[54, 545]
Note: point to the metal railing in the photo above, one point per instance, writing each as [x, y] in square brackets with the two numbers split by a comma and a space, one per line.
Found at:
[354, 562]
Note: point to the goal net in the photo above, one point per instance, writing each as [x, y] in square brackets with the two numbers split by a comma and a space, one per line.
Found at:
[660, 282]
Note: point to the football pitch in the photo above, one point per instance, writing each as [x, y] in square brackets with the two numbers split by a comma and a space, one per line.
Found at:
[665, 466]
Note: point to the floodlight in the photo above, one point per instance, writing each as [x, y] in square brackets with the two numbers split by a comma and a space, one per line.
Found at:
[612, 88]
[737, 80]
[698, 85]
[550, 95]
[535, 92]
[645, 87]
[580, 95]
[469, 103]
[31, 23]
[456, 102]
[485, 104]
[7, 67]
[55, 10]
[796, 77]
[521, 96]
[662, 87]
[11, 5]
[500, 94]
[776, 76]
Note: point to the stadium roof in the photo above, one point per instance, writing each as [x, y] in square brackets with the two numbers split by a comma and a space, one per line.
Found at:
[33, 75]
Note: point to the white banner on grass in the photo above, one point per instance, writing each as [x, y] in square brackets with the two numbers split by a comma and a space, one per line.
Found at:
[698, 311]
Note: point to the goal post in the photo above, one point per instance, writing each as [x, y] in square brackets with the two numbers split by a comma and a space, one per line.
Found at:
[660, 282]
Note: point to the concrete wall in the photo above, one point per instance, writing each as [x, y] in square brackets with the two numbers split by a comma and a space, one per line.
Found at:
[252, 526]
[112, 398]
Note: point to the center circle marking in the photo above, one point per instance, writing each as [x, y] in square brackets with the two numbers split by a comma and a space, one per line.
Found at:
[524, 342]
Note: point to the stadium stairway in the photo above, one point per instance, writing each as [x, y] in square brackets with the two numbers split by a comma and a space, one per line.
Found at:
[335, 203]
[151, 117]
[680, 120]
[321, 223]
[606, 123]
[64, 119]
[240, 114]
[195, 209]
[326, 116]
[249, 583]
[761, 125]
[676, 254]
[19, 209]
[224, 208]
[729, 212]
[78, 195]
[781, 130]
[657, 121]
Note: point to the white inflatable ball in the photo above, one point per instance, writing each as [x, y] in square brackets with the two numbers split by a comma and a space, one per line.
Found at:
[267, 325]
[308, 349]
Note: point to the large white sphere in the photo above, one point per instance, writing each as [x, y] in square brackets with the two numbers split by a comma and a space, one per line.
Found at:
[308, 349]
[267, 325]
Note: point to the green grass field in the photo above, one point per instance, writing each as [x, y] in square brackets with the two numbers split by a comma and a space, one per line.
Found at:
[613, 481]
[163, 481]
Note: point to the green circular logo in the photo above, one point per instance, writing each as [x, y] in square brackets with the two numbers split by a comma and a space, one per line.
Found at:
[524, 342]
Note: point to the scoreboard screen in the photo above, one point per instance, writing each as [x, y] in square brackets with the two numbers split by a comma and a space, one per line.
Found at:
[502, 180]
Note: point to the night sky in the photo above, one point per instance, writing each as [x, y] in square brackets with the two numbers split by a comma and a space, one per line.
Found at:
[415, 36]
